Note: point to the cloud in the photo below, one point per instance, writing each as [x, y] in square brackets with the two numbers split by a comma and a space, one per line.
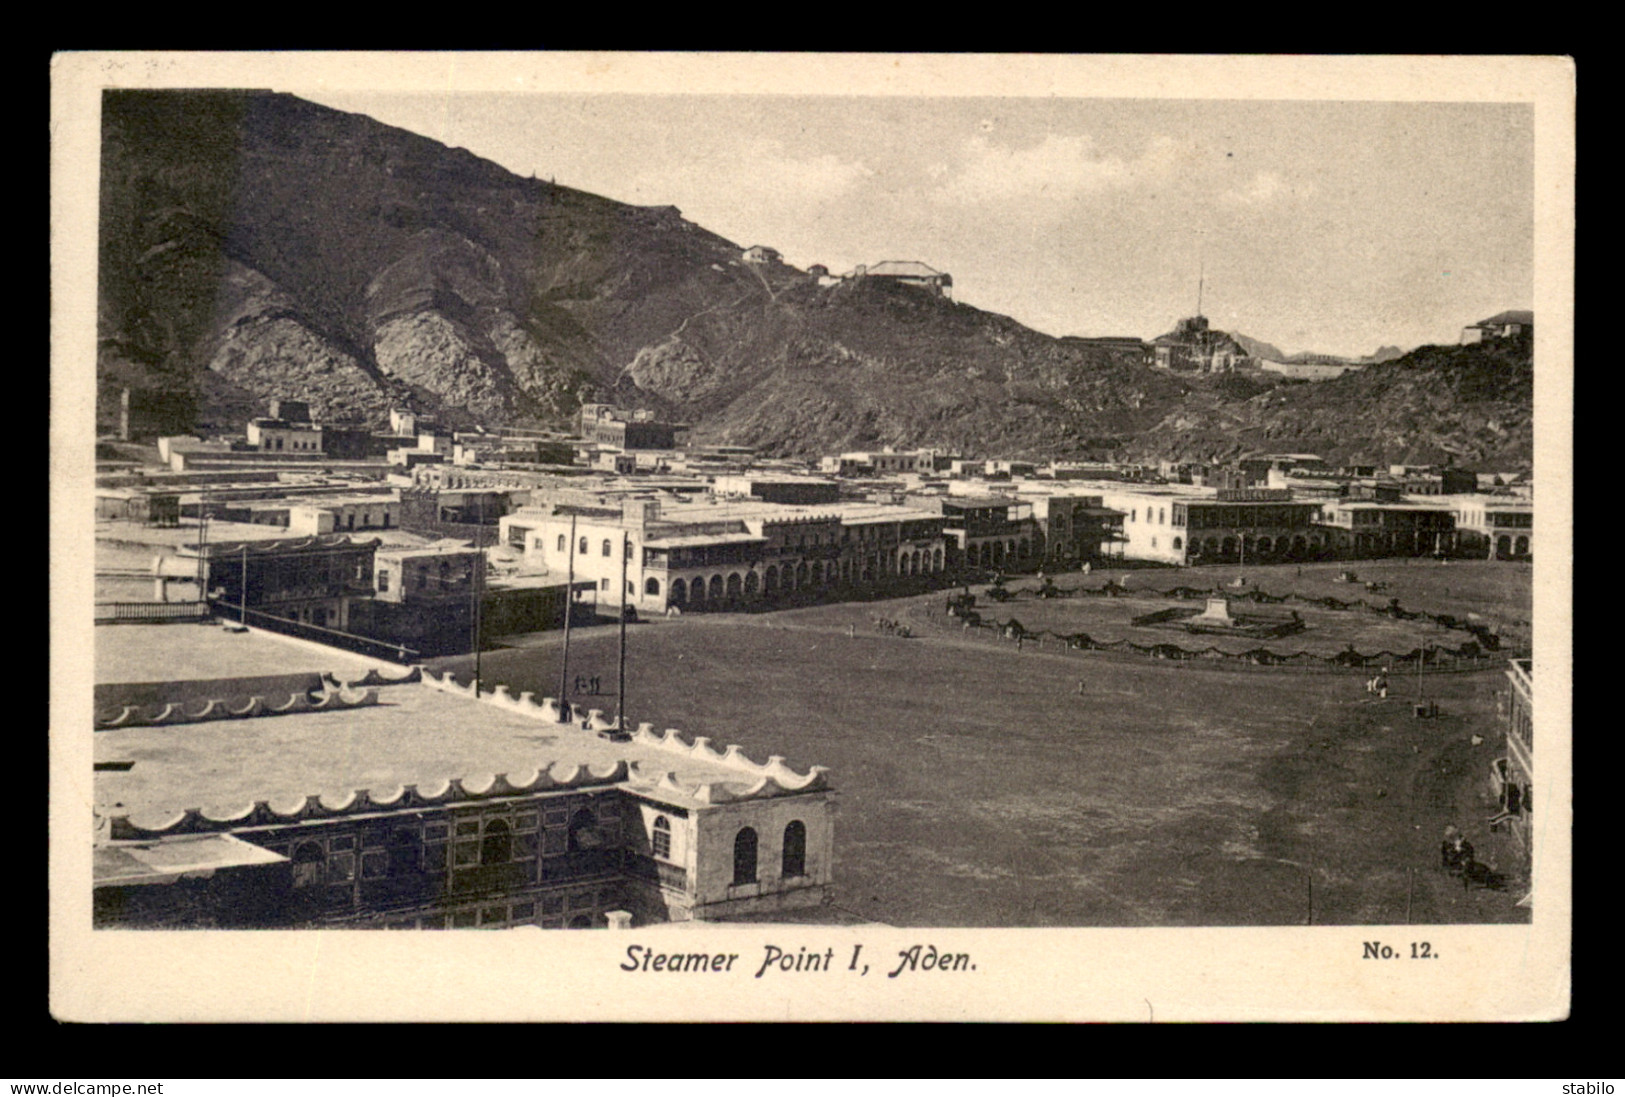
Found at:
[1058, 168]
[1266, 187]
[757, 171]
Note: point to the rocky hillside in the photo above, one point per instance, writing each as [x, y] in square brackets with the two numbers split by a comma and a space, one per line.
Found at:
[256, 245]
[1468, 404]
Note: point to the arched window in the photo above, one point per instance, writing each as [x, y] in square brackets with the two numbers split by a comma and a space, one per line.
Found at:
[496, 848]
[795, 849]
[714, 592]
[651, 586]
[583, 833]
[581, 921]
[606, 546]
[581, 549]
[679, 592]
[1162, 516]
[661, 838]
[745, 857]
[561, 542]
[1134, 515]
[1178, 544]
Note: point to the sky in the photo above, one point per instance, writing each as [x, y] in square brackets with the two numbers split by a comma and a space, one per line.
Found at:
[1330, 226]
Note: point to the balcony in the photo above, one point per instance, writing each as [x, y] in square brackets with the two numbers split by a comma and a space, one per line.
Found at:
[581, 864]
[669, 876]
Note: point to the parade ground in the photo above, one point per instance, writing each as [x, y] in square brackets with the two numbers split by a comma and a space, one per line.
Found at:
[984, 783]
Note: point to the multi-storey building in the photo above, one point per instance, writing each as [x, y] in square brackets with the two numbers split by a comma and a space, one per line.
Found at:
[1496, 527]
[988, 531]
[1365, 528]
[1180, 525]
[311, 580]
[727, 553]
[467, 818]
[1073, 529]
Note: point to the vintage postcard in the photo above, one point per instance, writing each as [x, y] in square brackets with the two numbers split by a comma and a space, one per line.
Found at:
[869, 537]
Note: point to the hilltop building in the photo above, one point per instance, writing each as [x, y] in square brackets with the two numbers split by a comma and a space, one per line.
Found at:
[1307, 371]
[762, 254]
[1512, 324]
[906, 273]
[1193, 347]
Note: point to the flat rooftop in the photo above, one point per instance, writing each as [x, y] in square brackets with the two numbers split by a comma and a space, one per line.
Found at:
[415, 735]
[174, 652]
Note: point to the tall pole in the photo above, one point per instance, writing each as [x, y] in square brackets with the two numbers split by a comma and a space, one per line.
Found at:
[479, 584]
[620, 687]
[242, 595]
[569, 611]
[202, 542]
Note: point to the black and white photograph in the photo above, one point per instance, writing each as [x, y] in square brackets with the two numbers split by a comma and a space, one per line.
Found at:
[847, 529]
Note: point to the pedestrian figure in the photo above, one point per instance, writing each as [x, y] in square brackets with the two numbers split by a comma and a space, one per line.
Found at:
[1080, 687]
[850, 632]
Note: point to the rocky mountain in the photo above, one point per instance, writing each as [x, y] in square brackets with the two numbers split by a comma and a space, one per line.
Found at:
[1468, 404]
[257, 245]
[1257, 348]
